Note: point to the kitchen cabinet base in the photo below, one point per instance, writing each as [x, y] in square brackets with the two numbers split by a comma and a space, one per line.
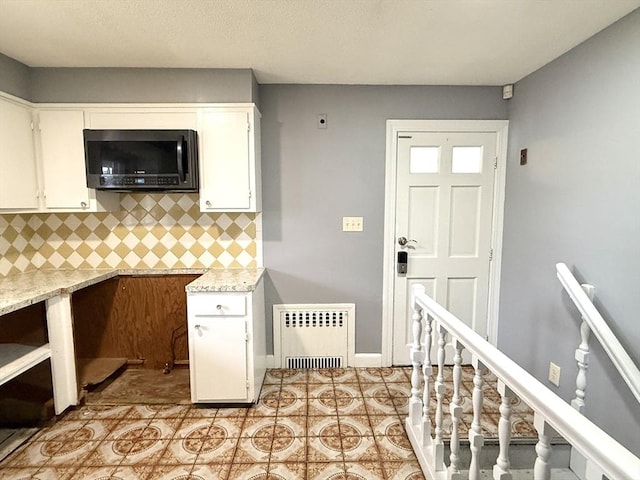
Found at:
[227, 345]
[93, 371]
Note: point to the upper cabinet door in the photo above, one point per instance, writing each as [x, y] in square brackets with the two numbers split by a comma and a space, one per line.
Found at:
[63, 170]
[152, 119]
[228, 161]
[18, 179]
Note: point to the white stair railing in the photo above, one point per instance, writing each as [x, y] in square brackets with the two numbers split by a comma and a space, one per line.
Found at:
[552, 416]
[592, 321]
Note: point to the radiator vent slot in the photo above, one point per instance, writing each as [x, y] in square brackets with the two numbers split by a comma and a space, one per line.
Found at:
[314, 319]
[313, 336]
[314, 362]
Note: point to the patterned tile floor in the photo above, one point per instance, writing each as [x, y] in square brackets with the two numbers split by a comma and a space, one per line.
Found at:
[341, 424]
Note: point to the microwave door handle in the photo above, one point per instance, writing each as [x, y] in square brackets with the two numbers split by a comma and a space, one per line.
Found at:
[179, 159]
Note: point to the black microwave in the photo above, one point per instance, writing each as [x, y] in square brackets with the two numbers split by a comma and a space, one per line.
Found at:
[149, 160]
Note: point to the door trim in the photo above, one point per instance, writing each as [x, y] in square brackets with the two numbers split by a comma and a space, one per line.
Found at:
[501, 128]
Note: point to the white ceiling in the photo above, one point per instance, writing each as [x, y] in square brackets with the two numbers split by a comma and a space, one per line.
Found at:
[433, 42]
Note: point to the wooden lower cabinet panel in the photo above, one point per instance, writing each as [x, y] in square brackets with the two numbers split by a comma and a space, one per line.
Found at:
[27, 326]
[138, 318]
[27, 400]
[93, 331]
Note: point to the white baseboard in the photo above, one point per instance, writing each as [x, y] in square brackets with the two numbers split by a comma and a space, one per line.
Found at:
[367, 360]
[271, 361]
[359, 360]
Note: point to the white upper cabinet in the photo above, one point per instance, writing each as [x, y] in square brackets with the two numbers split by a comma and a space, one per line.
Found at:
[18, 178]
[43, 170]
[230, 160]
[141, 118]
[62, 164]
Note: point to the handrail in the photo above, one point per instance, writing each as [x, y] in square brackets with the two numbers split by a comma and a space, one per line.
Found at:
[610, 343]
[587, 438]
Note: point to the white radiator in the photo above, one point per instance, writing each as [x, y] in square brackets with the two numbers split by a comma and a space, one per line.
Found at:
[314, 336]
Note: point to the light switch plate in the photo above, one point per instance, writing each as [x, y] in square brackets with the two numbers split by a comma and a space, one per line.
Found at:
[352, 224]
[554, 374]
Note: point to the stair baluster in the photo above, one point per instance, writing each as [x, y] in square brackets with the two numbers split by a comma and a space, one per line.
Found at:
[415, 403]
[427, 371]
[502, 468]
[542, 467]
[582, 357]
[455, 409]
[476, 439]
[438, 445]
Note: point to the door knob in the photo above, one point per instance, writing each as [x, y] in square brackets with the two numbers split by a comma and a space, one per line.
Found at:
[403, 242]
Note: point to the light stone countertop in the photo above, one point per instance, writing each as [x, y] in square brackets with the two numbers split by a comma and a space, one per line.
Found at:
[227, 280]
[24, 289]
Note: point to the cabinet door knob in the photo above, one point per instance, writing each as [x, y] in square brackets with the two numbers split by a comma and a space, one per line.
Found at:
[219, 307]
[207, 203]
[197, 327]
[83, 204]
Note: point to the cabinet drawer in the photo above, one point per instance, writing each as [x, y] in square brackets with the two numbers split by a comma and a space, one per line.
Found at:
[215, 304]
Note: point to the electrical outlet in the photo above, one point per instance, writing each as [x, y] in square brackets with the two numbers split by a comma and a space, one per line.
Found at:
[352, 224]
[554, 374]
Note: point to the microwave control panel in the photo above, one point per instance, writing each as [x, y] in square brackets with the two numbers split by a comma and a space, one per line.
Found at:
[138, 180]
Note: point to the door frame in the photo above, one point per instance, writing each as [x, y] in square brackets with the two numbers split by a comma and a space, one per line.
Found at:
[394, 127]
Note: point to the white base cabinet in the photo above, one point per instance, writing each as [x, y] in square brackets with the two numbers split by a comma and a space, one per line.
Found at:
[16, 359]
[227, 345]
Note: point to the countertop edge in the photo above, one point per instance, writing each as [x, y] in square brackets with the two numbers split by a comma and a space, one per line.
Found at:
[227, 280]
[42, 297]
[99, 275]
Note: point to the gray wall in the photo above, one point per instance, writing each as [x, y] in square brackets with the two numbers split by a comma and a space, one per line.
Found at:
[577, 201]
[311, 178]
[14, 77]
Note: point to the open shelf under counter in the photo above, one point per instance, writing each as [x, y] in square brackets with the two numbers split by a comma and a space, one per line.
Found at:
[16, 358]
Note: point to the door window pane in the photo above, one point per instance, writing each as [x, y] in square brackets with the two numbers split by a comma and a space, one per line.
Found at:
[424, 160]
[466, 160]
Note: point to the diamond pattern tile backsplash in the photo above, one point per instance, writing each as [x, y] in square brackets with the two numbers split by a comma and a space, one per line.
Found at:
[149, 231]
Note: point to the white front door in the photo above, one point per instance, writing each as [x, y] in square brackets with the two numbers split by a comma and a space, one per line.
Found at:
[443, 222]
